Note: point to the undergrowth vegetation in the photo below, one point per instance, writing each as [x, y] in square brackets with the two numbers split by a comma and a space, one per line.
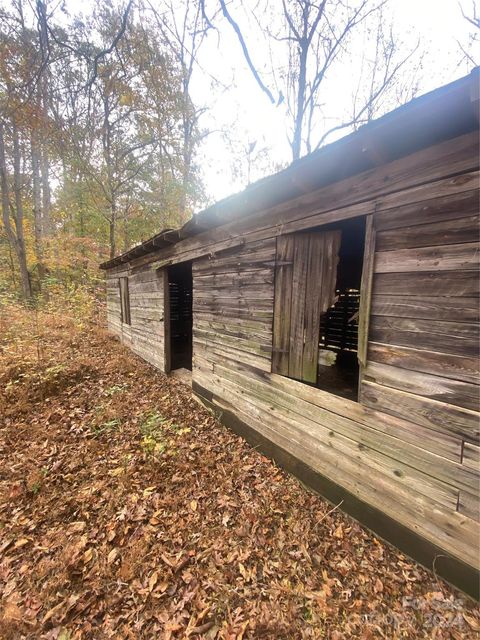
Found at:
[128, 511]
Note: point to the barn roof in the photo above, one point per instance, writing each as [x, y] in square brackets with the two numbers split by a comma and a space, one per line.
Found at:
[446, 112]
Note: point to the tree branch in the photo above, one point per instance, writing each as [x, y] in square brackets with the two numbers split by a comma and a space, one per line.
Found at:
[246, 54]
[105, 52]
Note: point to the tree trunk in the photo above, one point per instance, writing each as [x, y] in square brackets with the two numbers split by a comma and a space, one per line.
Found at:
[126, 240]
[12, 265]
[46, 198]
[112, 225]
[298, 127]
[44, 159]
[15, 239]
[107, 155]
[37, 208]
[187, 152]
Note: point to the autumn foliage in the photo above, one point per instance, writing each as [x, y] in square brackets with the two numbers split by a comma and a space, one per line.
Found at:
[98, 139]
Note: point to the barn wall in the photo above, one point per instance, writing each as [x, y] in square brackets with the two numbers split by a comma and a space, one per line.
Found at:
[410, 446]
[114, 323]
[233, 307]
[145, 334]
[424, 326]
[402, 466]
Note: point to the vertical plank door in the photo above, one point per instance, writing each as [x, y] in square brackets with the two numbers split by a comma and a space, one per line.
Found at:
[305, 278]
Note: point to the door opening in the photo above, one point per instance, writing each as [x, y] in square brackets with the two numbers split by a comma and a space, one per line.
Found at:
[317, 305]
[338, 369]
[179, 313]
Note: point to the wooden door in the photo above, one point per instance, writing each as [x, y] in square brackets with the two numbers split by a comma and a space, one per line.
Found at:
[305, 278]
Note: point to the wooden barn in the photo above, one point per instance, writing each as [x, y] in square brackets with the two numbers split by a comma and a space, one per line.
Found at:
[329, 313]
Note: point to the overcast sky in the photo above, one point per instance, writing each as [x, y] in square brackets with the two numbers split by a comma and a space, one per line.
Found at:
[247, 115]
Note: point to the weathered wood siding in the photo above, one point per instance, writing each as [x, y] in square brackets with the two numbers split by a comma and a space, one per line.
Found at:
[423, 357]
[145, 333]
[233, 307]
[410, 446]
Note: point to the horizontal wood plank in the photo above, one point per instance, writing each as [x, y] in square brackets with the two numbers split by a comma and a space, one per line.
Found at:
[469, 505]
[447, 446]
[455, 284]
[456, 338]
[438, 416]
[441, 258]
[449, 205]
[427, 308]
[456, 392]
[451, 530]
[471, 456]
[445, 232]
[449, 366]
[324, 423]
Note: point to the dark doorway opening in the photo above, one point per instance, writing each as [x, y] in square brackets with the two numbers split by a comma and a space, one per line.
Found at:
[338, 368]
[180, 315]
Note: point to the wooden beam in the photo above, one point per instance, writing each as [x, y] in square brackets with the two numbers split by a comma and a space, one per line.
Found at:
[475, 91]
[366, 290]
[171, 237]
[160, 242]
[167, 349]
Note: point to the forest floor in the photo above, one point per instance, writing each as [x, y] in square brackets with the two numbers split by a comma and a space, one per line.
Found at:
[128, 511]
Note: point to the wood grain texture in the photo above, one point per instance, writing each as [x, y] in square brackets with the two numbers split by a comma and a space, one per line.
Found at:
[469, 505]
[233, 307]
[427, 308]
[363, 437]
[436, 387]
[451, 203]
[437, 363]
[445, 232]
[282, 304]
[456, 338]
[454, 284]
[471, 456]
[305, 277]
[438, 416]
[366, 290]
[451, 257]
[450, 529]
[321, 436]
[297, 296]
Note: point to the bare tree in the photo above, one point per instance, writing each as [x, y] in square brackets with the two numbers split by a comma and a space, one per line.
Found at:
[472, 16]
[315, 35]
[184, 29]
[381, 83]
[245, 50]
[318, 34]
[37, 203]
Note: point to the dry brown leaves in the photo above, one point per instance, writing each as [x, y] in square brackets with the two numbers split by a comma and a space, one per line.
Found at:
[108, 531]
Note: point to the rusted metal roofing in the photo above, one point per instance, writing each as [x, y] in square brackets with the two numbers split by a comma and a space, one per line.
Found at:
[444, 113]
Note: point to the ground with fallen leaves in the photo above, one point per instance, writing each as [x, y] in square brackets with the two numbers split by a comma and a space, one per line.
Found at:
[128, 511]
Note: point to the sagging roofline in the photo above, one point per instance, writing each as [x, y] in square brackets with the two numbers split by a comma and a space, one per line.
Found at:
[447, 112]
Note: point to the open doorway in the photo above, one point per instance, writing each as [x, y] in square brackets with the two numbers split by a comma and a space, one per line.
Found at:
[318, 275]
[338, 368]
[178, 315]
